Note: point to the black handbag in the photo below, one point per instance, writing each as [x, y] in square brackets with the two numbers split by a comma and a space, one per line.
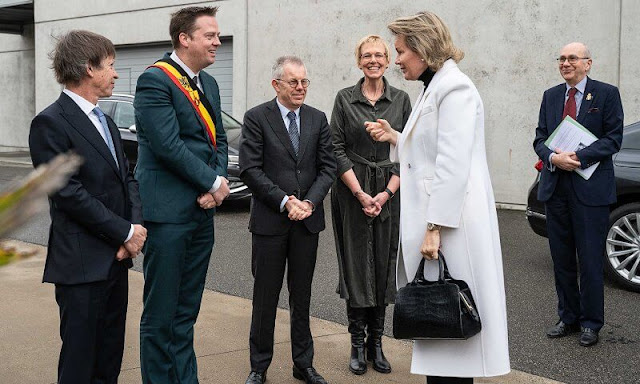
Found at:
[442, 309]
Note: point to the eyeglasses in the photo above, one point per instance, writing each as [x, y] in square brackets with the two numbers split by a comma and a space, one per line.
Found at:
[294, 83]
[570, 59]
[368, 56]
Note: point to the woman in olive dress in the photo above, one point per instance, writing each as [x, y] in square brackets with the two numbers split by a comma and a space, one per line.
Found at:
[365, 214]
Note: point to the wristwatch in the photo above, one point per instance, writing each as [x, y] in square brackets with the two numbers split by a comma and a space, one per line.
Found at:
[389, 192]
[433, 227]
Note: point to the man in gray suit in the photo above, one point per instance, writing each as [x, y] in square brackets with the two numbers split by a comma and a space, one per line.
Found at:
[286, 159]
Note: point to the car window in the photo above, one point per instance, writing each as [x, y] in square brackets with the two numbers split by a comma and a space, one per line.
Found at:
[107, 106]
[124, 116]
[232, 129]
[229, 122]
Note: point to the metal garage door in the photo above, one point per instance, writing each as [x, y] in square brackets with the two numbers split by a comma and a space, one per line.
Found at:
[131, 61]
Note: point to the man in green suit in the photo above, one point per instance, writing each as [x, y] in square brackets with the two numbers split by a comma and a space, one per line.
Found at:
[182, 169]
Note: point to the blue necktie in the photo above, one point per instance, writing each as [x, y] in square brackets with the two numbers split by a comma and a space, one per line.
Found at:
[107, 134]
[293, 131]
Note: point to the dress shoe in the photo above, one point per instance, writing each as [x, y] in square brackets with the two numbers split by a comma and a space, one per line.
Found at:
[256, 378]
[308, 375]
[561, 329]
[588, 337]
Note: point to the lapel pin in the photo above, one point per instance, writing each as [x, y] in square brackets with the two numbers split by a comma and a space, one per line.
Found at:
[589, 97]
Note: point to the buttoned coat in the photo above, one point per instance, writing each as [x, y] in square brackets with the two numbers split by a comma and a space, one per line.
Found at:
[445, 180]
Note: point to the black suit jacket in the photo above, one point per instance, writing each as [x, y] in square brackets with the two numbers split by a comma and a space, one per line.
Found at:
[271, 169]
[601, 113]
[92, 215]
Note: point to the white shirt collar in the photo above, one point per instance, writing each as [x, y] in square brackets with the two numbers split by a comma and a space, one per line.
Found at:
[85, 105]
[580, 86]
[284, 111]
[190, 73]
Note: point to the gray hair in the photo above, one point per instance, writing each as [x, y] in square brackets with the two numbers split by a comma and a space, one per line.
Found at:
[278, 68]
[76, 51]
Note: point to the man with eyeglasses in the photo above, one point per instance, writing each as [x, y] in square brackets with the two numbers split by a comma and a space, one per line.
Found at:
[286, 159]
[578, 209]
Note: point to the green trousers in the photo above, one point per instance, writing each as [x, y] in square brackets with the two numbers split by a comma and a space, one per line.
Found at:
[176, 258]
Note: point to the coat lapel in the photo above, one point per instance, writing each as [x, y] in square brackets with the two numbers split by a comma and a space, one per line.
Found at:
[117, 143]
[277, 124]
[587, 99]
[558, 104]
[305, 130]
[413, 118]
[81, 123]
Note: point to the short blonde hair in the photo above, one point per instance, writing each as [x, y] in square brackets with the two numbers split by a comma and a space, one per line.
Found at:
[371, 39]
[428, 36]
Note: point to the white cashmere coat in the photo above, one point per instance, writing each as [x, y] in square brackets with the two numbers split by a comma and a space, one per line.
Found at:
[444, 179]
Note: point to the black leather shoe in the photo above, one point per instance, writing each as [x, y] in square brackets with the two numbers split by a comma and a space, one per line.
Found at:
[588, 337]
[308, 375]
[256, 378]
[562, 329]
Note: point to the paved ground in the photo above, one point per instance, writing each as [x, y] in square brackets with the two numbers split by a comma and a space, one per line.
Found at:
[30, 343]
[528, 279]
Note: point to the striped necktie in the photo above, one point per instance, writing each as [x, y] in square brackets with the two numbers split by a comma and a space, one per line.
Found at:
[293, 131]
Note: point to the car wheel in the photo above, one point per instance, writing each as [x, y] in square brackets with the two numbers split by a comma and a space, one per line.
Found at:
[622, 252]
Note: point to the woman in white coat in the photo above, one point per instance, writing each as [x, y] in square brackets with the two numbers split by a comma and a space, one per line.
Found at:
[446, 198]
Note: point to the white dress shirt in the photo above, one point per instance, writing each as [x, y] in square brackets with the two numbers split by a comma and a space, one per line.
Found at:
[580, 87]
[284, 111]
[87, 107]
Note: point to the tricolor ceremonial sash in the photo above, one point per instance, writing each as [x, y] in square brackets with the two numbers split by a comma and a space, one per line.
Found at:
[201, 106]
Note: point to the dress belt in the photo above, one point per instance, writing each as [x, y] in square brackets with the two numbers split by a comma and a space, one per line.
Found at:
[380, 184]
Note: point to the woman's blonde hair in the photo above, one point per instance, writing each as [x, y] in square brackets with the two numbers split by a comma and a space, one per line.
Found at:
[428, 36]
[371, 39]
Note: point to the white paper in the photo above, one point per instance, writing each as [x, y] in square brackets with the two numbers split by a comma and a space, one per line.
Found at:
[572, 136]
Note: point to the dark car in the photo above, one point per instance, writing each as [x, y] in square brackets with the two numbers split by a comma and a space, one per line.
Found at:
[622, 253]
[120, 108]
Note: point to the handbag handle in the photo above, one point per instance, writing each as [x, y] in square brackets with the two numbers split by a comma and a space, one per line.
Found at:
[442, 266]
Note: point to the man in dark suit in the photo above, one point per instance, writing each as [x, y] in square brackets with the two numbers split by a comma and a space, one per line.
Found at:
[182, 169]
[578, 209]
[286, 159]
[95, 219]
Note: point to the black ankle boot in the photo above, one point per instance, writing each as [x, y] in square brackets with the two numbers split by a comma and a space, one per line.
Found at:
[375, 323]
[357, 324]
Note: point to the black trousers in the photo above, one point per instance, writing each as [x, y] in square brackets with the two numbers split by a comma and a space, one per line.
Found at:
[297, 251]
[92, 327]
[449, 380]
[575, 228]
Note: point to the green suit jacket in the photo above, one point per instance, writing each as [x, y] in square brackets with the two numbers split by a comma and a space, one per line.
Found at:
[176, 159]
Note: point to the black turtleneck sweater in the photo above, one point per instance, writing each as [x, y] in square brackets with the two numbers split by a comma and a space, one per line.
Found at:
[426, 77]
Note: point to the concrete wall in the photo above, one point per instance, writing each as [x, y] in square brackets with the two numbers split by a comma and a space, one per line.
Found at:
[510, 49]
[126, 23]
[17, 102]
